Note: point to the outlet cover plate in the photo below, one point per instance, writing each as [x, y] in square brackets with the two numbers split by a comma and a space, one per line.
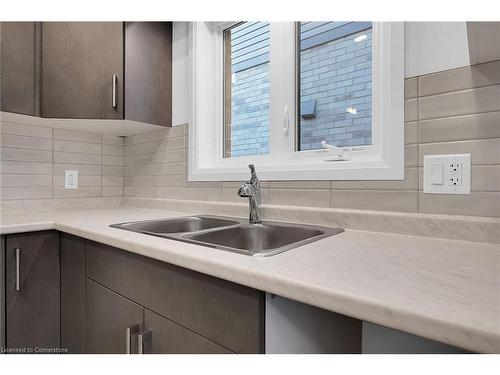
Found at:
[456, 174]
[71, 179]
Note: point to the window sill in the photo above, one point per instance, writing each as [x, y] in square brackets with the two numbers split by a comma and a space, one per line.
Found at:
[337, 170]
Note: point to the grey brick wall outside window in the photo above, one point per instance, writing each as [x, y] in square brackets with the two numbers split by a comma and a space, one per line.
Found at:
[250, 111]
[337, 74]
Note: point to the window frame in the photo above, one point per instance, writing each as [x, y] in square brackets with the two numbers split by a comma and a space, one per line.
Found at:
[383, 160]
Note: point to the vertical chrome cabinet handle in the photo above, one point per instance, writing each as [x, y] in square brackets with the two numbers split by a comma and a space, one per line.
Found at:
[18, 260]
[142, 338]
[128, 337]
[114, 102]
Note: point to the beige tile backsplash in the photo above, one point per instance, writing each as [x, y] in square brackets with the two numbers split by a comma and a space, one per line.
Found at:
[459, 79]
[455, 111]
[33, 161]
[477, 100]
[448, 112]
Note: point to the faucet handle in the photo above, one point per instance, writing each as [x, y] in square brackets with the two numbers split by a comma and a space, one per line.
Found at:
[253, 173]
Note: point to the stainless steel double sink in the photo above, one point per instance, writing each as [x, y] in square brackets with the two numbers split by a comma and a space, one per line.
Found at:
[232, 234]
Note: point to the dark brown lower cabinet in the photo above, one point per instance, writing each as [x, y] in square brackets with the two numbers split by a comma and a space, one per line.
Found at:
[72, 293]
[62, 291]
[2, 291]
[162, 336]
[108, 315]
[32, 292]
[226, 313]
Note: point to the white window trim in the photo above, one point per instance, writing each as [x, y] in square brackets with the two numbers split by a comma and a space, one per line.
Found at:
[384, 160]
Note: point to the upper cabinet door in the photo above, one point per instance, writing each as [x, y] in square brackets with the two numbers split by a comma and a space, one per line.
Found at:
[148, 72]
[18, 61]
[82, 70]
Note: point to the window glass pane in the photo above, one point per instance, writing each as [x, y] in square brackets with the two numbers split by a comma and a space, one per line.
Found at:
[335, 90]
[246, 89]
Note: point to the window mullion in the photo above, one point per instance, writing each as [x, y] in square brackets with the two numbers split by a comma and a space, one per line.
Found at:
[283, 93]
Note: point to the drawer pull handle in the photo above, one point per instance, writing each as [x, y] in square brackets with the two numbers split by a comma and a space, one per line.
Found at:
[114, 102]
[18, 266]
[129, 332]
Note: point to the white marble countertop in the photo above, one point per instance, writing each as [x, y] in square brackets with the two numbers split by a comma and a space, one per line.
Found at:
[441, 289]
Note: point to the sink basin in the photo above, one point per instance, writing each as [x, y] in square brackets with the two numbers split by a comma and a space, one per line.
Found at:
[176, 225]
[231, 234]
[260, 239]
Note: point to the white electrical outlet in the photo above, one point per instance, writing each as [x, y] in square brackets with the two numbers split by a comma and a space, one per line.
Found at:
[455, 174]
[71, 179]
[447, 174]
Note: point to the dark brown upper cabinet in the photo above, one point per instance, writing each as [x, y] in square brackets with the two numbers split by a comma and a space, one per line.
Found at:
[148, 72]
[19, 92]
[88, 70]
[82, 70]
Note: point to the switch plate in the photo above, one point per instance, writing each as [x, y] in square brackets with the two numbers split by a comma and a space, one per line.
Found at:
[447, 174]
[71, 179]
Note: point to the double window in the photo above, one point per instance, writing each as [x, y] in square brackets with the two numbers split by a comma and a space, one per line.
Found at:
[301, 100]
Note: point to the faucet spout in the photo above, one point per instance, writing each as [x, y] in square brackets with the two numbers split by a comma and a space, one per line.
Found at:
[251, 190]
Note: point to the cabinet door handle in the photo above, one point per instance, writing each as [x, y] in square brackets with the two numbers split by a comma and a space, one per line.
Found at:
[129, 332]
[142, 338]
[18, 266]
[114, 102]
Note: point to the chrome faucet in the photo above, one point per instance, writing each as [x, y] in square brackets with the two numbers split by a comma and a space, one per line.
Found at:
[251, 190]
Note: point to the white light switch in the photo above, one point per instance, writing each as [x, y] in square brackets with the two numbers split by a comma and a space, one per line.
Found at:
[71, 179]
[437, 174]
[447, 174]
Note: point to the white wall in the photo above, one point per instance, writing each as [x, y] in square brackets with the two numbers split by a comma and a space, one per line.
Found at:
[435, 46]
[429, 47]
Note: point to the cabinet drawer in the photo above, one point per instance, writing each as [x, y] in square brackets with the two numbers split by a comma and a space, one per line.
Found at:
[229, 314]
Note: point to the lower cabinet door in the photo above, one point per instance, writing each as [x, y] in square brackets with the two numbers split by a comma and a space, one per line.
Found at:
[32, 292]
[112, 321]
[163, 336]
[72, 293]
